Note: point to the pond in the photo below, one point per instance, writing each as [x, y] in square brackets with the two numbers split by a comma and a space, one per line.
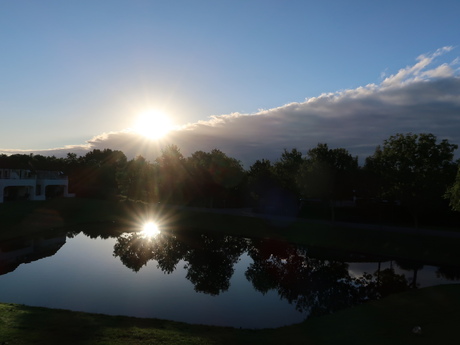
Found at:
[195, 277]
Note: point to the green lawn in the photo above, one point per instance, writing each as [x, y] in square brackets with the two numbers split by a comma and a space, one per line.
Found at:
[388, 321]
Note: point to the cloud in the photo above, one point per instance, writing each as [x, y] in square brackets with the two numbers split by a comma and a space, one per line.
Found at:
[423, 98]
[415, 72]
[57, 152]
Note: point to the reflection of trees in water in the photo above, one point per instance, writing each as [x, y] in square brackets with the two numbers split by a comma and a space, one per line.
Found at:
[134, 251]
[409, 265]
[95, 230]
[314, 285]
[449, 272]
[303, 277]
[210, 259]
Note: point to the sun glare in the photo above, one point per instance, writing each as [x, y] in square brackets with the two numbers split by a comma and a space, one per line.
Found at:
[153, 124]
[150, 230]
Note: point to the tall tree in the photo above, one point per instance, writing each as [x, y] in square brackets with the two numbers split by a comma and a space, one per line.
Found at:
[173, 176]
[414, 169]
[138, 180]
[453, 193]
[287, 168]
[215, 178]
[328, 174]
[96, 175]
[261, 178]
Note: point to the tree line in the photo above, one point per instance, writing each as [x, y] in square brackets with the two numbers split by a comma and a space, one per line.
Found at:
[409, 175]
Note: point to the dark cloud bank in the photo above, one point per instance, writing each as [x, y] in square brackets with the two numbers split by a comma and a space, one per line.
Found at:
[416, 99]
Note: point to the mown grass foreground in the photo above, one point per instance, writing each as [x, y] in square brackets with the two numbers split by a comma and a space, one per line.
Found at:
[433, 311]
[388, 321]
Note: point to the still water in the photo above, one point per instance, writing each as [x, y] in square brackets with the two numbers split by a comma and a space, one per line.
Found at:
[198, 278]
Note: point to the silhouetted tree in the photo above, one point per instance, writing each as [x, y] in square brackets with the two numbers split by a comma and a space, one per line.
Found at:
[215, 178]
[173, 176]
[453, 193]
[414, 169]
[138, 180]
[287, 168]
[262, 181]
[273, 186]
[96, 175]
[328, 174]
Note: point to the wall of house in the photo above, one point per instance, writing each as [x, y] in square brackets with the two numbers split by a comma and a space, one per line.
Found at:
[27, 186]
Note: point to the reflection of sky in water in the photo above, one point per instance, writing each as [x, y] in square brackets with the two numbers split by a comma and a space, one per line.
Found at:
[84, 276]
[425, 276]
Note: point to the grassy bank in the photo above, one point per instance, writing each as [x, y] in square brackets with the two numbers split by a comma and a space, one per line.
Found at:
[388, 321]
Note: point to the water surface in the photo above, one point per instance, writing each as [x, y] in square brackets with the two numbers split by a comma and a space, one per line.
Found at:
[198, 278]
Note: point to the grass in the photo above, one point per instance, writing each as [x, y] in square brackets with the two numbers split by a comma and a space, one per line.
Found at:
[388, 321]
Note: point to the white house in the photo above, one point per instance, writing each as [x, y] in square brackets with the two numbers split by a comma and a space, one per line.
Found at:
[17, 184]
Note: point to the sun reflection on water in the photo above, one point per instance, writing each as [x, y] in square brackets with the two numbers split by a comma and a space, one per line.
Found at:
[150, 230]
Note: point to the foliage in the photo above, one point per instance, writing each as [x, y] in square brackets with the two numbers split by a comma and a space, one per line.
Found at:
[328, 173]
[95, 175]
[413, 169]
[172, 175]
[453, 193]
[287, 168]
[137, 180]
[273, 186]
[261, 179]
[214, 178]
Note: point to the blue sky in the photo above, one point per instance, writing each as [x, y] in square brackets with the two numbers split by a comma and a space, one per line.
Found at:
[75, 74]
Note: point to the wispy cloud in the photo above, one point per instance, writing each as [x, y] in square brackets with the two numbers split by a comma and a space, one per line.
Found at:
[415, 72]
[424, 97]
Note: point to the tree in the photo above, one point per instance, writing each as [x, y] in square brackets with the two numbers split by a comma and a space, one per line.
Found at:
[414, 169]
[287, 168]
[328, 174]
[261, 180]
[138, 179]
[96, 175]
[274, 186]
[173, 176]
[453, 193]
[215, 178]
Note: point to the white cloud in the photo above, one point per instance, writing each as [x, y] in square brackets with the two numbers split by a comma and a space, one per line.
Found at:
[421, 98]
[443, 71]
[413, 73]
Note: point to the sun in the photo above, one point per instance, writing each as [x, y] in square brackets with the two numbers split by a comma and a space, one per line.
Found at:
[153, 124]
[150, 230]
